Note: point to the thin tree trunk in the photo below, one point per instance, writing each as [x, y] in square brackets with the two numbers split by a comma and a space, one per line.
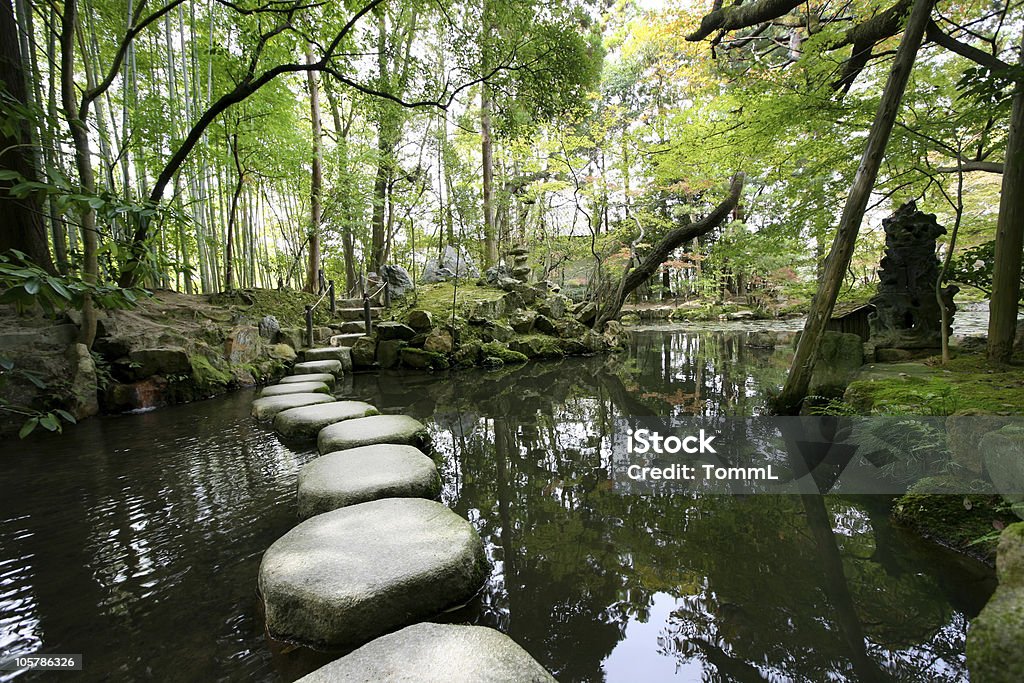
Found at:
[317, 178]
[1002, 321]
[799, 378]
[229, 252]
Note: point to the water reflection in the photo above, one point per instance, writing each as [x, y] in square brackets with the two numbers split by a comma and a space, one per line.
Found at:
[714, 587]
[136, 540]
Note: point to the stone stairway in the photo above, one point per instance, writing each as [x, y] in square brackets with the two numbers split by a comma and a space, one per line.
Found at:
[374, 551]
[351, 324]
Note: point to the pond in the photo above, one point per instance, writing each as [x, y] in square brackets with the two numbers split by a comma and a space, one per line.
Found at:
[136, 540]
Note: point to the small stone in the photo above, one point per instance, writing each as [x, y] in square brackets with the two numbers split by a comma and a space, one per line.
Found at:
[364, 352]
[522, 321]
[438, 342]
[281, 352]
[366, 431]
[419, 359]
[393, 330]
[388, 352]
[269, 327]
[295, 388]
[267, 407]
[343, 577]
[544, 325]
[359, 475]
[436, 653]
[307, 421]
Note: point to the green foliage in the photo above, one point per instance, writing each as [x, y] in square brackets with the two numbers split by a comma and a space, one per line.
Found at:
[50, 420]
[974, 267]
[24, 285]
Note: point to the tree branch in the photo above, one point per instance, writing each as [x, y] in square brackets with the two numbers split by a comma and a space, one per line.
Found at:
[742, 16]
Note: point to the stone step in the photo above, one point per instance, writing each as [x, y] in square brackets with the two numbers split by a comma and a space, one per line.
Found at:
[346, 340]
[359, 475]
[366, 431]
[354, 302]
[333, 367]
[351, 326]
[436, 653]
[325, 377]
[306, 422]
[342, 354]
[344, 577]
[269, 406]
[296, 388]
[356, 313]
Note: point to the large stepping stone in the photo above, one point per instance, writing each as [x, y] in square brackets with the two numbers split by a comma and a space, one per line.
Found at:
[310, 367]
[295, 388]
[338, 353]
[436, 653]
[366, 431]
[306, 422]
[358, 475]
[267, 407]
[325, 377]
[344, 577]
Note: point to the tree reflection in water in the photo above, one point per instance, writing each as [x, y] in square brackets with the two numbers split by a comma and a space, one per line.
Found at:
[764, 587]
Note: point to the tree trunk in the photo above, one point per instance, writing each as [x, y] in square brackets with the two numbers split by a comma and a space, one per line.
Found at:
[83, 162]
[229, 247]
[1002, 321]
[22, 227]
[662, 250]
[317, 180]
[799, 378]
[490, 243]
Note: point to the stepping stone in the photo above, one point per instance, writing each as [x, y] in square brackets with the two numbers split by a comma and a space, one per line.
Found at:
[295, 388]
[311, 367]
[306, 422]
[358, 475]
[347, 340]
[343, 354]
[436, 653]
[341, 578]
[366, 431]
[268, 407]
[325, 377]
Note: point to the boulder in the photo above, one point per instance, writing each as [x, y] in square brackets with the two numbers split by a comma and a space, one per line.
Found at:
[342, 354]
[544, 325]
[553, 306]
[496, 273]
[586, 312]
[571, 329]
[366, 431]
[333, 367]
[419, 359]
[282, 352]
[499, 332]
[761, 340]
[269, 406]
[614, 333]
[436, 653]
[419, 320]
[452, 264]
[995, 641]
[397, 277]
[83, 400]
[438, 341]
[292, 336]
[1004, 461]
[307, 421]
[522, 321]
[388, 352]
[325, 377]
[364, 352]
[964, 431]
[242, 345]
[359, 475]
[389, 330]
[295, 388]
[269, 327]
[352, 327]
[343, 577]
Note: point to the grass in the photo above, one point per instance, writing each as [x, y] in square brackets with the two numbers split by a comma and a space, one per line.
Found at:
[437, 298]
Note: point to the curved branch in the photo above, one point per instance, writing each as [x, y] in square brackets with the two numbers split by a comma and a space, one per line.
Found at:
[742, 16]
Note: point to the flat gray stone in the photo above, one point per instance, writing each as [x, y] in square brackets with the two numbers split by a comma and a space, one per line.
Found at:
[269, 406]
[325, 377]
[310, 367]
[342, 354]
[306, 422]
[366, 431]
[295, 388]
[436, 653]
[344, 577]
[358, 475]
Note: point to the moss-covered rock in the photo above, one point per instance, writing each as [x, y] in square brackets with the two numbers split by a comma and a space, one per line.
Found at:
[419, 359]
[207, 377]
[503, 353]
[537, 346]
[995, 641]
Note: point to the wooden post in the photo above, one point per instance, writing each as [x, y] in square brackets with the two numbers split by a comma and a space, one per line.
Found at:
[309, 326]
[330, 288]
[367, 322]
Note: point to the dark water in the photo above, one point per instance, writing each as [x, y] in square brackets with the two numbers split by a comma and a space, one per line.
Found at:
[136, 540]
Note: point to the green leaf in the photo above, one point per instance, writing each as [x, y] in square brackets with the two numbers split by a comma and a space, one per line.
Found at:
[50, 423]
[32, 377]
[32, 285]
[28, 427]
[6, 363]
[66, 415]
